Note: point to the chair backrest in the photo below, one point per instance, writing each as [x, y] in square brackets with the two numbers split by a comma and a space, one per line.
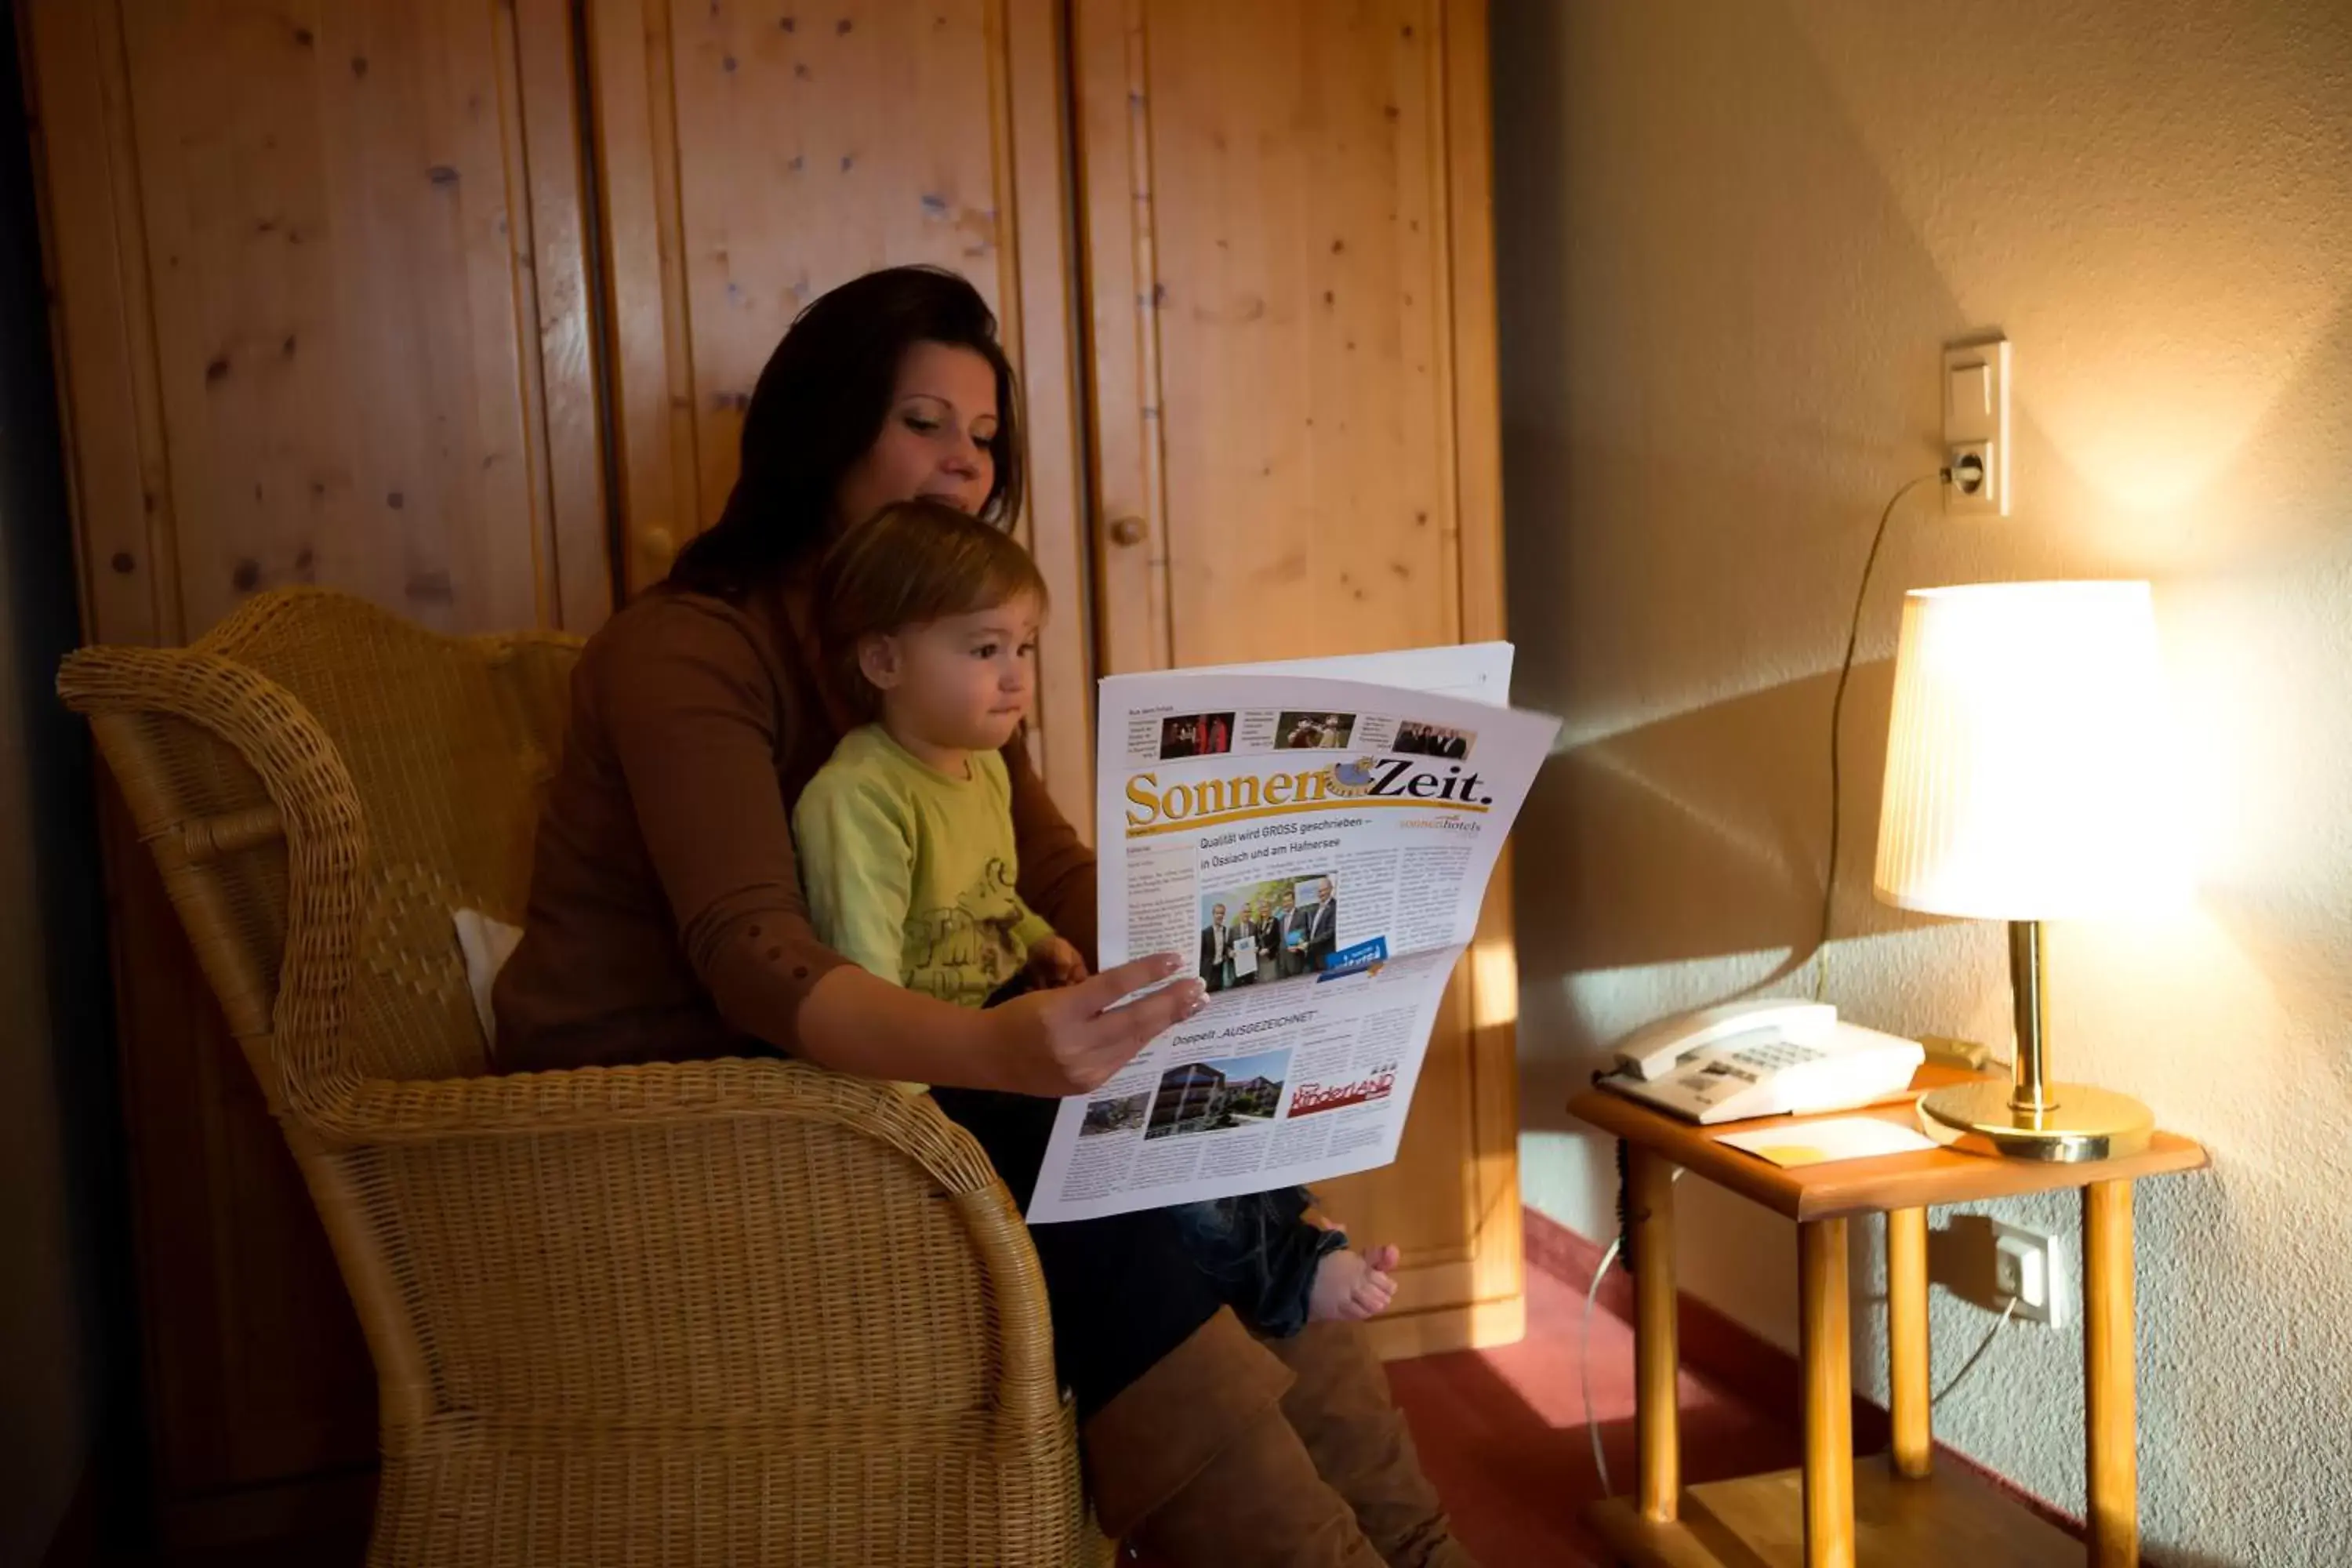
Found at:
[324, 785]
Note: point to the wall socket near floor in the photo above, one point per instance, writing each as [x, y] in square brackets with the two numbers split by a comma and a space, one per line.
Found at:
[1984, 1262]
[2032, 1267]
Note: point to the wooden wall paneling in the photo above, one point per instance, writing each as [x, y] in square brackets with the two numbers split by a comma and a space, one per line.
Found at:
[1455, 1180]
[1045, 292]
[556, 302]
[754, 158]
[1289, 285]
[339, 285]
[813, 146]
[1474, 390]
[1476, 1039]
[1113, 158]
[1119, 279]
[112, 407]
[1295, 274]
[648, 370]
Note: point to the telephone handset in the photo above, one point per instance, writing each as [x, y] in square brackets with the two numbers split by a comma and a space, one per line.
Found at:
[1768, 1057]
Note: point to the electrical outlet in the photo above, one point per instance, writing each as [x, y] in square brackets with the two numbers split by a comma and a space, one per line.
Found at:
[1976, 425]
[2032, 1267]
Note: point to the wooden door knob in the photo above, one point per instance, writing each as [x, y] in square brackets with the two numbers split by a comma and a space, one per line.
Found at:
[656, 544]
[1128, 531]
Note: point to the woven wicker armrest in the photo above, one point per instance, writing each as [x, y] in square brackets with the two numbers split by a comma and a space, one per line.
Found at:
[751, 1267]
[659, 1094]
[657, 1241]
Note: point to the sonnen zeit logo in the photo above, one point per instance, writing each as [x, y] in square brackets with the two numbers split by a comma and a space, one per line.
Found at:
[1393, 781]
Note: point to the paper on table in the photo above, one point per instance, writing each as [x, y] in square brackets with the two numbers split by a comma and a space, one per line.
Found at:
[1817, 1142]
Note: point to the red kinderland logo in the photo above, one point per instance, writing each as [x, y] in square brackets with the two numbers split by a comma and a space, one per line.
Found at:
[1311, 1098]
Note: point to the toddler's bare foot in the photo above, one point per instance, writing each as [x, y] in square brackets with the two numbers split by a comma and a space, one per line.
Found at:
[1350, 1285]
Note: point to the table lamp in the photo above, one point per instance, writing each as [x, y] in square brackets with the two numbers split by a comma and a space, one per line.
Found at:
[2029, 779]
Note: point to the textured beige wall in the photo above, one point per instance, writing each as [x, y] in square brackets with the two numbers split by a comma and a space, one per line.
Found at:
[1733, 235]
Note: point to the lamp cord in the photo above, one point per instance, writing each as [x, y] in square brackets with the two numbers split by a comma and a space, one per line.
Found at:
[1837, 718]
[1970, 1366]
[1621, 1250]
[1584, 1367]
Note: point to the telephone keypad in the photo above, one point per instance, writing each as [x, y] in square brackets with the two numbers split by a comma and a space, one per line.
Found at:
[1773, 1057]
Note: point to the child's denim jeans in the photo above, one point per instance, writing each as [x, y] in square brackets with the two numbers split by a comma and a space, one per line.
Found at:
[1262, 1252]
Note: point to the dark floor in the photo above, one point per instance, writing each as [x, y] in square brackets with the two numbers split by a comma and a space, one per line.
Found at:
[1502, 1433]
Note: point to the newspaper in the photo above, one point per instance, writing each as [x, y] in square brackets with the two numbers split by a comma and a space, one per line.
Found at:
[1317, 837]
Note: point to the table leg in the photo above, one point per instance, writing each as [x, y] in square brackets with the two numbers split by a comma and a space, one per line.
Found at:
[2111, 1458]
[1829, 1395]
[1656, 1357]
[1906, 1340]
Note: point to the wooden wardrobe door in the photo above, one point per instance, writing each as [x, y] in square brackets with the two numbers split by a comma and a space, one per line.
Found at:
[1291, 319]
[321, 282]
[321, 294]
[753, 158]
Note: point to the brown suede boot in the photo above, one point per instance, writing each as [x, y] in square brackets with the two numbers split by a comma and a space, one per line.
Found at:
[1195, 1462]
[1343, 1411]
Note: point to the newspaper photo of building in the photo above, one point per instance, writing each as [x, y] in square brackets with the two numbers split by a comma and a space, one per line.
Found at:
[1216, 1097]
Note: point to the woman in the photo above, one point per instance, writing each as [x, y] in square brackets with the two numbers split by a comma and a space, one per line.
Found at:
[665, 922]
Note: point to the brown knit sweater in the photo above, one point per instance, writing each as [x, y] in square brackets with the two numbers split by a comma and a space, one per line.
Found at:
[666, 920]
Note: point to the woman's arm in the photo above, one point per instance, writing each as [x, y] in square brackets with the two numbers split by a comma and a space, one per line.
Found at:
[1047, 1043]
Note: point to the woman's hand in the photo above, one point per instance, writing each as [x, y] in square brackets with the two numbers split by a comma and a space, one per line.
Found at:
[1056, 962]
[1067, 1041]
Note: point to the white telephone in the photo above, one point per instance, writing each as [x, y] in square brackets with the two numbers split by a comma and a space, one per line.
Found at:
[1770, 1057]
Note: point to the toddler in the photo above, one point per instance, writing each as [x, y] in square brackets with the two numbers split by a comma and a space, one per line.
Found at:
[928, 619]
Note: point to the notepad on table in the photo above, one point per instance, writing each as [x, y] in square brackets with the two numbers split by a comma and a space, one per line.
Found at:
[1817, 1143]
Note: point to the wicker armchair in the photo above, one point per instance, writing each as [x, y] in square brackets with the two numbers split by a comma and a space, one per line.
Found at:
[735, 1312]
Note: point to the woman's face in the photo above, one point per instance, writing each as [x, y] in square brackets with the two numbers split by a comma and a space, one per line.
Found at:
[933, 440]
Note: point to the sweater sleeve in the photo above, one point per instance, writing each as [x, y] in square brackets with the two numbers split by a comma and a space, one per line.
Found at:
[1057, 871]
[693, 716]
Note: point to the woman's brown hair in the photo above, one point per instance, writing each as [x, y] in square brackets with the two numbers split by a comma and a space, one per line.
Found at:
[913, 561]
[821, 403]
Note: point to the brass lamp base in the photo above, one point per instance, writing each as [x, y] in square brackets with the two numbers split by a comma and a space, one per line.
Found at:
[2080, 1122]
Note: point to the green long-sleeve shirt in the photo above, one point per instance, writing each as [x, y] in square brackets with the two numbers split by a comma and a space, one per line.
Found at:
[909, 873]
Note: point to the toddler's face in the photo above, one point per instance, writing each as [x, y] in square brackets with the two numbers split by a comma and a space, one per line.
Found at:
[966, 681]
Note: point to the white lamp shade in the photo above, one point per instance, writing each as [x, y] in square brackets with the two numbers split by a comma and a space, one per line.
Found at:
[2030, 773]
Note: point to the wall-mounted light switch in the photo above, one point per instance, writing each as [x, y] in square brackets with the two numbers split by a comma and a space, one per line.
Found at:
[1976, 425]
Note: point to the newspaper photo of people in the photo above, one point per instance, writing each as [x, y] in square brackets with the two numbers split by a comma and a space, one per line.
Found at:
[1417, 739]
[1219, 1096]
[1195, 735]
[1263, 932]
[1313, 731]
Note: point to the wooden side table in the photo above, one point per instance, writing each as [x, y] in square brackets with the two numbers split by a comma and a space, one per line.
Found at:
[1899, 1510]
